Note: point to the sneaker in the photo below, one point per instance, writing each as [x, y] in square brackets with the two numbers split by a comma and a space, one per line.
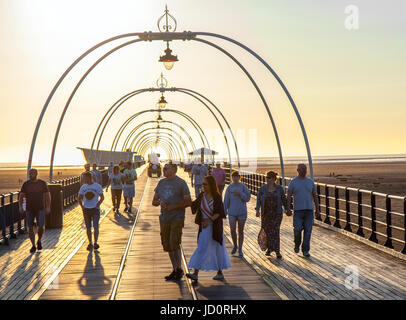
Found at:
[192, 276]
[129, 210]
[39, 245]
[268, 252]
[96, 246]
[296, 249]
[306, 254]
[240, 253]
[33, 249]
[278, 255]
[171, 276]
[218, 277]
[89, 246]
[234, 250]
[179, 274]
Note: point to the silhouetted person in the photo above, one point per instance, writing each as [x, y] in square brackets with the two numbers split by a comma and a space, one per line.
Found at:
[304, 194]
[38, 203]
[172, 194]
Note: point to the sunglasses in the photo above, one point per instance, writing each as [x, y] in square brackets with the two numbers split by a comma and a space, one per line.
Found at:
[270, 177]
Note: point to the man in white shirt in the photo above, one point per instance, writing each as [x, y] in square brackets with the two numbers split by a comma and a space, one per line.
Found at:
[90, 198]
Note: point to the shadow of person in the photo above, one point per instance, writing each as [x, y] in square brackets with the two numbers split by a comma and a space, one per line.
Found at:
[222, 291]
[93, 283]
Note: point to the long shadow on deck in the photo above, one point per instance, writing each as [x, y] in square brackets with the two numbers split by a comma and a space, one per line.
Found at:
[93, 282]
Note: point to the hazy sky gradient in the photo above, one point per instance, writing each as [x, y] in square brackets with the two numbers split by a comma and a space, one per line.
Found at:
[349, 85]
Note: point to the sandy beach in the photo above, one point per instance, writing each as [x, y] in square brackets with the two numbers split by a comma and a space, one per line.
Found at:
[12, 179]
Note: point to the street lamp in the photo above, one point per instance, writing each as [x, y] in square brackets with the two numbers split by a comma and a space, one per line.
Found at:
[159, 118]
[162, 102]
[168, 58]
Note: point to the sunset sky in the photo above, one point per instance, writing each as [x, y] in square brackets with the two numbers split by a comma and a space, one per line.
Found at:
[349, 85]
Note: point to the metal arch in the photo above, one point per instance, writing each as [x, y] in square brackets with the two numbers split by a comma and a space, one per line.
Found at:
[105, 115]
[127, 139]
[149, 36]
[185, 148]
[154, 121]
[292, 102]
[149, 142]
[192, 94]
[163, 144]
[71, 97]
[178, 146]
[262, 98]
[163, 138]
[174, 150]
[182, 90]
[189, 118]
[56, 86]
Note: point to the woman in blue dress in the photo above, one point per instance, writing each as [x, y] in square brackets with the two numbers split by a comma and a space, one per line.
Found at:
[211, 253]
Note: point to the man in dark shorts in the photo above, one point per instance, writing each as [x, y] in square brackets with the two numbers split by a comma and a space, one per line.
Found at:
[172, 194]
[90, 198]
[38, 203]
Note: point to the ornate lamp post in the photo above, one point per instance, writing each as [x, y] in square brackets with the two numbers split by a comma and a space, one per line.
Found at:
[168, 59]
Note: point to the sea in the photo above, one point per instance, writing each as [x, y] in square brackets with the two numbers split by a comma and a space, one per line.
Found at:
[387, 158]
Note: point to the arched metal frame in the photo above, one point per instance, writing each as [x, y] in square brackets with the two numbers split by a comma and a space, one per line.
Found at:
[151, 36]
[176, 153]
[185, 148]
[128, 138]
[163, 143]
[149, 145]
[189, 92]
[186, 116]
[160, 135]
[163, 139]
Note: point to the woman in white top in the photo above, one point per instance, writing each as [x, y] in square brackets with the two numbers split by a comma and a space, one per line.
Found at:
[211, 253]
[116, 181]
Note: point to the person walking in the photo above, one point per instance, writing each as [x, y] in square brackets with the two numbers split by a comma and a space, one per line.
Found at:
[90, 198]
[87, 169]
[116, 180]
[219, 175]
[38, 203]
[270, 199]
[173, 196]
[110, 169]
[97, 175]
[198, 173]
[235, 204]
[304, 195]
[130, 175]
[211, 253]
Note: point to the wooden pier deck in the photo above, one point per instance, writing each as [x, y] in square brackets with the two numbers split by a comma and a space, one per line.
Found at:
[66, 270]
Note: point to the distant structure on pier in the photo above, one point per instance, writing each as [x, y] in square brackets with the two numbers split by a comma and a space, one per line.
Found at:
[104, 157]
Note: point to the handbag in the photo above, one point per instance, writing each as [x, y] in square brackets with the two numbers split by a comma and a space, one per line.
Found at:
[262, 240]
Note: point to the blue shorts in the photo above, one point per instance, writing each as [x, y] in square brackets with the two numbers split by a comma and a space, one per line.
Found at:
[242, 216]
[91, 215]
[129, 191]
[39, 216]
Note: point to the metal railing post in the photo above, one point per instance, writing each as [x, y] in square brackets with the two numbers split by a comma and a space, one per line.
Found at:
[337, 208]
[347, 210]
[373, 237]
[388, 242]
[360, 230]
[326, 193]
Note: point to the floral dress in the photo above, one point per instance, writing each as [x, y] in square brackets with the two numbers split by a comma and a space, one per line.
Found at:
[271, 221]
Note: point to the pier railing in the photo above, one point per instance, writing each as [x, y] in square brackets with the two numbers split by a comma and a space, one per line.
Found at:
[378, 217]
[12, 223]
